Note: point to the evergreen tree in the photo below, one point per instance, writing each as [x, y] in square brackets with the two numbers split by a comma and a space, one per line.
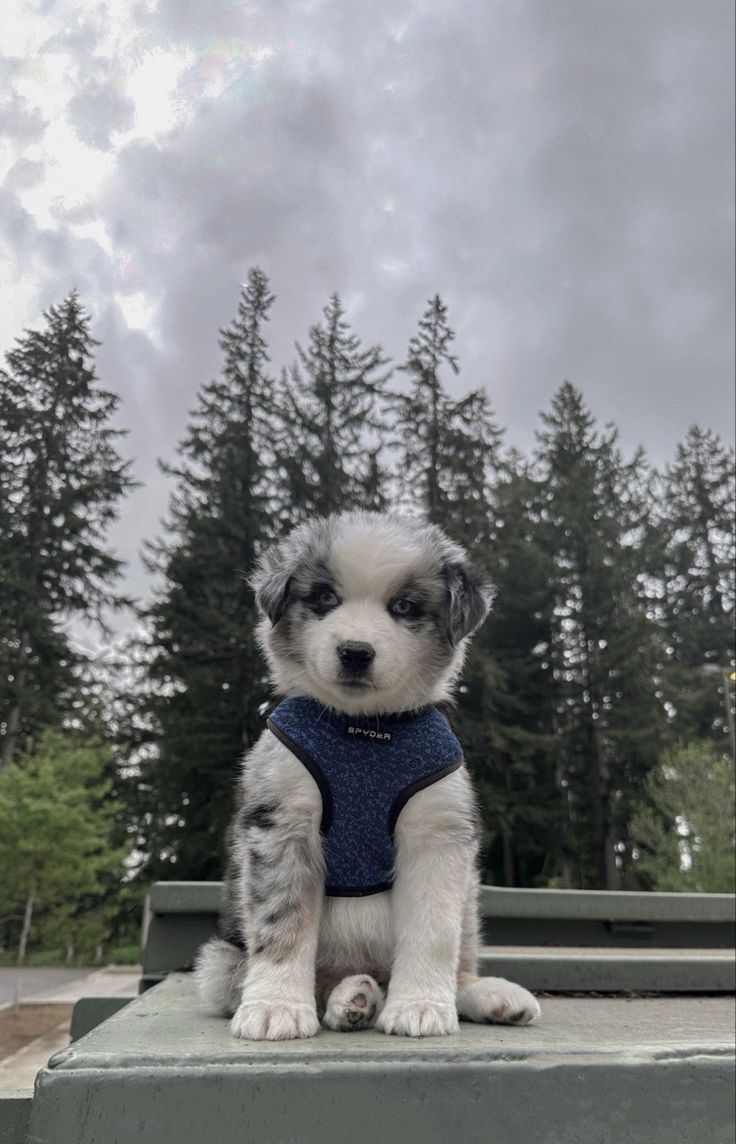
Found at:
[449, 459]
[447, 449]
[331, 421]
[207, 674]
[507, 696]
[683, 832]
[696, 526]
[603, 649]
[60, 480]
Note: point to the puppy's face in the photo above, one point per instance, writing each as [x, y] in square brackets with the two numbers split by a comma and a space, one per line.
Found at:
[367, 613]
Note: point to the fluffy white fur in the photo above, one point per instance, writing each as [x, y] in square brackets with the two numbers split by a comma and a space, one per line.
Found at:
[313, 957]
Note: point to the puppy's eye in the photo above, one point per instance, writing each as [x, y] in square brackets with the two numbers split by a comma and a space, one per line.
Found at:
[405, 608]
[322, 599]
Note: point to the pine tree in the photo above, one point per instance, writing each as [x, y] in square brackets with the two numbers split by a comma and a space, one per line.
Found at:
[330, 441]
[507, 693]
[208, 677]
[604, 649]
[447, 449]
[60, 479]
[451, 470]
[698, 534]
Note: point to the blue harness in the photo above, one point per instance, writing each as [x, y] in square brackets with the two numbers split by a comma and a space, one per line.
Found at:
[367, 767]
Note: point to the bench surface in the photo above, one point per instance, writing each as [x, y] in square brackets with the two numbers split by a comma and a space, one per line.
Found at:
[649, 1070]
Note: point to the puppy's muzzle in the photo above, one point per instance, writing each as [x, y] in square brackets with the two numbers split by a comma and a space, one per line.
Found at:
[355, 657]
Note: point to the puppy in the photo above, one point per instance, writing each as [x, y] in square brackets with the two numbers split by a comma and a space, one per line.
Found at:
[353, 854]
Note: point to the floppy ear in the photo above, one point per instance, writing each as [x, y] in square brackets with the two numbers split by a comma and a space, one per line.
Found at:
[469, 600]
[271, 582]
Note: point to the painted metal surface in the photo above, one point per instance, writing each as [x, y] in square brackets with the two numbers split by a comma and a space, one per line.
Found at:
[15, 1113]
[563, 940]
[645, 1070]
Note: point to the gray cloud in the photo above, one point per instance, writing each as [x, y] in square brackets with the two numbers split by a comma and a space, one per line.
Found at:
[98, 108]
[19, 119]
[100, 105]
[560, 172]
[24, 174]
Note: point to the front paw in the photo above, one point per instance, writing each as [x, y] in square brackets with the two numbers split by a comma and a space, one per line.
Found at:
[495, 1001]
[274, 1021]
[353, 1004]
[418, 1019]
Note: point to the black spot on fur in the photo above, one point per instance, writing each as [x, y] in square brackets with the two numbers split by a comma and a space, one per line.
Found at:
[272, 594]
[229, 930]
[277, 916]
[517, 1018]
[468, 601]
[286, 569]
[260, 861]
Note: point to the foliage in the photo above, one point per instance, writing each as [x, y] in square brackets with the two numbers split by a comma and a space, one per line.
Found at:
[207, 681]
[55, 825]
[609, 639]
[685, 836]
[331, 424]
[603, 645]
[60, 481]
[507, 694]
[446, 450]
[697, 584]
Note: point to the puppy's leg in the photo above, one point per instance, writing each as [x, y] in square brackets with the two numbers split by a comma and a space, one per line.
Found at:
[283, 883]
[219, 972]
[354, 1003]
[491, 1000]
[435, 848]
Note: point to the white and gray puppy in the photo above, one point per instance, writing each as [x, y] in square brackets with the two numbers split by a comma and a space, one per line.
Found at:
[366, 617]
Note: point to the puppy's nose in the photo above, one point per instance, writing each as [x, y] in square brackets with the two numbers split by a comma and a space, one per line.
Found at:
[355, 655]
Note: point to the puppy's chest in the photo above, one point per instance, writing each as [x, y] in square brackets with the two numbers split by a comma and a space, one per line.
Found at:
[366, 770]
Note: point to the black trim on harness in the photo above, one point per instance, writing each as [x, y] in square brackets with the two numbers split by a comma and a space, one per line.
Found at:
[349, 892]
[328, 808]
[419, 784]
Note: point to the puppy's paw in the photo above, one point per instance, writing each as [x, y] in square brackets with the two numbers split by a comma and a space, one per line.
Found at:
[274, 1021]
[418, 1018]
[354, 1003]
[493, 1000]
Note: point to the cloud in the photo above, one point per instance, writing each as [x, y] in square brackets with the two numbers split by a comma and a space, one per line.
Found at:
[98, 109]
[20, 120]
[560, 172]
[24, 174]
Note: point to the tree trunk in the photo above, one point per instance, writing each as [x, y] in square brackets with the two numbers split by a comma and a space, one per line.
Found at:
[21, 675]
[509, 878]
[600, 794]
[600, 779]
[25, 930]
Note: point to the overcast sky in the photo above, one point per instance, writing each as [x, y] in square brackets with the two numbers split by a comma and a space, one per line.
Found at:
[560, 171]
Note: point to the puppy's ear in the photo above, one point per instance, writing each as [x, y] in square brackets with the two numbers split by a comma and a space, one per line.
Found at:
[271, 582]
[469, 600]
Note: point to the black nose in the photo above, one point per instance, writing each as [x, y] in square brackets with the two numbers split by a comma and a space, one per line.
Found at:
[355, 655]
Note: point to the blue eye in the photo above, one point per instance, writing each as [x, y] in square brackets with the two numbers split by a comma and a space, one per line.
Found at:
[322, 599]
[403, 607]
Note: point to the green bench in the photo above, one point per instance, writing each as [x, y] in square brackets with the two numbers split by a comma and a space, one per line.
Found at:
[550, 940]
[636, 1043]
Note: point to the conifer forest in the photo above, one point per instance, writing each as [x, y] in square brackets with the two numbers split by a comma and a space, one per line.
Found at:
[596, 706]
